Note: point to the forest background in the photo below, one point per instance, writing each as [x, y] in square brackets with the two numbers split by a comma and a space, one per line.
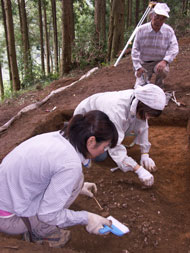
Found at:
[43, 40]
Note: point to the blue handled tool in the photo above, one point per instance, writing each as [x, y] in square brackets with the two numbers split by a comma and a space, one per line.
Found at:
[116, 228]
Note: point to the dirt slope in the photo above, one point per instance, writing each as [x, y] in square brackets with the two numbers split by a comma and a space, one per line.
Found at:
[158, 218]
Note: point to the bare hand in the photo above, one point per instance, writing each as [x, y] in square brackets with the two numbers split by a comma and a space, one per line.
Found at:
[140, 72]
[160, 66]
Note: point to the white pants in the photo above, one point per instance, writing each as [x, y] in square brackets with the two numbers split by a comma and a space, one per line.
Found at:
[15, 225]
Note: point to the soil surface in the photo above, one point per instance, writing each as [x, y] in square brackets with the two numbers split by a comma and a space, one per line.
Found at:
[158, 218]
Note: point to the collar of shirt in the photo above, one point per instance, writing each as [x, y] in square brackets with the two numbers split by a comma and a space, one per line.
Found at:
[150, 29]
[84, 161]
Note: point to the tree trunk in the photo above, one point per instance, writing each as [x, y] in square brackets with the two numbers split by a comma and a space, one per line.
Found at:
[100, 22]
[67, 36]
[46, 38]
[11, 44]
[1, 84]
[116, 28]
[41, 36]
[25, 40]
[53, 4]
[6, 37]
[185, 6]
[137, 12]
[129, 13]
[72, 22]
[145, 5]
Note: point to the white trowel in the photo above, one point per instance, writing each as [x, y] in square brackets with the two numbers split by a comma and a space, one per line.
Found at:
[117, 228]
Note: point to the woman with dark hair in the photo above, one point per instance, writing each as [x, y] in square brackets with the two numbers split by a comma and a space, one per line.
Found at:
[42, 177]
[129, 110]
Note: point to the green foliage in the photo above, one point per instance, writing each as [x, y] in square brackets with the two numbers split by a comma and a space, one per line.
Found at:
[7, 90]
[84, 30]
[85, 50]
[180, 24]
[37, 77]
[178, 20]
[42, 81]
[45, 80]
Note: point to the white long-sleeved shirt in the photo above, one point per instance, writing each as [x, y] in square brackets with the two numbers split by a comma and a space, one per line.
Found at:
[40, 177]
[116, 105]
[154, 46]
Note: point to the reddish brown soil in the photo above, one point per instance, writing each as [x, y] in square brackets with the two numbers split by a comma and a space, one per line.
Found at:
[158, 218]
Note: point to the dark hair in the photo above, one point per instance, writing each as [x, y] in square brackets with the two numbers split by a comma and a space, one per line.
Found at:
[143, 109]
[94, 123]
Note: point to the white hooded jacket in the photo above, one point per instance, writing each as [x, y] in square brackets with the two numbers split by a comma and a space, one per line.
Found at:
[120, 106]
[117, 106]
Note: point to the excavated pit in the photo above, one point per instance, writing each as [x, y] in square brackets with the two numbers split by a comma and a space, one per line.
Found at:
[158, 217]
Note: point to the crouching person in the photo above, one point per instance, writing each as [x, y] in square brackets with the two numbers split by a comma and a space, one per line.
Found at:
[129, 110]
[41, 178]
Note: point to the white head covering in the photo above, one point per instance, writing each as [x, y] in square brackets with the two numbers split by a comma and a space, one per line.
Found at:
[162, 9]
[150, 95]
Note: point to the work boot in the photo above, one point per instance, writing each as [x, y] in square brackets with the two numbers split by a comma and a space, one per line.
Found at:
[57, 239]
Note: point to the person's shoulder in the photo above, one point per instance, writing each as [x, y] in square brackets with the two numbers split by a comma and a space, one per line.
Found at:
[122, 97]
[126, 92]
[118, 95]
[144, 26]
[68, 155]
[62, 145]
[167, 28]
[143, 29]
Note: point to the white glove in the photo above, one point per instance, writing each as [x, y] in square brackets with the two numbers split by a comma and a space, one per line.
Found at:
[147, 162]
[88, 188]
[95, 223]
[145, 176]
[124, 165]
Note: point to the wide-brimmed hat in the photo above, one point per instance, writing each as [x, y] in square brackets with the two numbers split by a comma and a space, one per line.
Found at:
[162, 9]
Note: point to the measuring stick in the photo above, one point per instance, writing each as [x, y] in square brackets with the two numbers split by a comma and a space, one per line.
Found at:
[98, 203]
